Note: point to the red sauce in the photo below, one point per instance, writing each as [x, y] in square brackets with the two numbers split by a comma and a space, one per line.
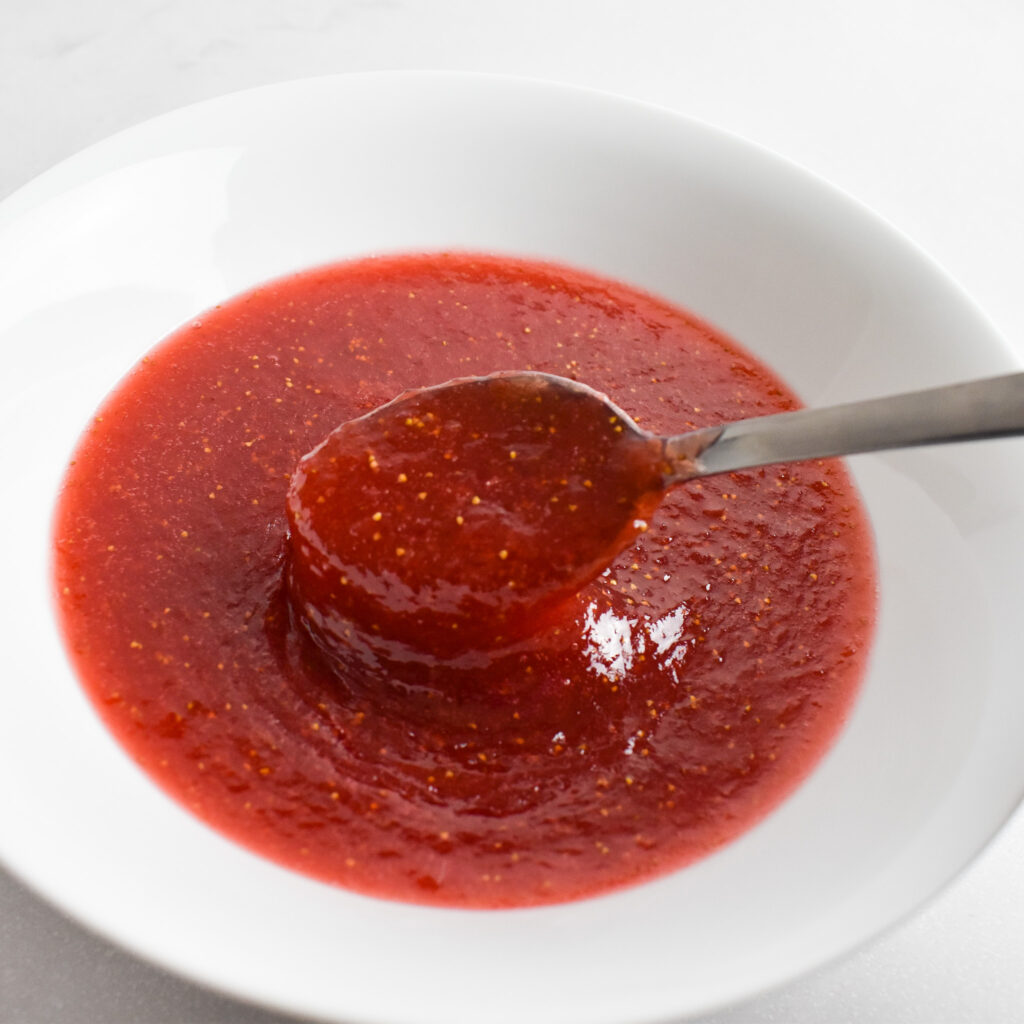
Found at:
[673, 701]
[457, 520]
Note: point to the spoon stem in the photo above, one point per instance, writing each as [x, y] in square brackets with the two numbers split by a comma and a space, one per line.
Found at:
[959, 412]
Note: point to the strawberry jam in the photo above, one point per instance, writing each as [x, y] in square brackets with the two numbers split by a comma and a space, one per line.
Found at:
[664, 707]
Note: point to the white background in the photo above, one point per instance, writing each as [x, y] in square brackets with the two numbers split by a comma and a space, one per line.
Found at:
[913, 106]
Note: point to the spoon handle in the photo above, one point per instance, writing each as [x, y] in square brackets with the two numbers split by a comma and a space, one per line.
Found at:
[958, 412]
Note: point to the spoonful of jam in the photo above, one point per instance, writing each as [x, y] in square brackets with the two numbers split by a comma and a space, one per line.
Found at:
[459, 519]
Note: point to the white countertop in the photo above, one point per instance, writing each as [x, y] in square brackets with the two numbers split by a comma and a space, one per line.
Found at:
[913, 106]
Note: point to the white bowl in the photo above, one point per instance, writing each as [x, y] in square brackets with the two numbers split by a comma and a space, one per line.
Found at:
[105, 254]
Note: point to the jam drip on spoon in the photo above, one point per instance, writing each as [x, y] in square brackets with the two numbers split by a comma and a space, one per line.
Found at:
[455, 522]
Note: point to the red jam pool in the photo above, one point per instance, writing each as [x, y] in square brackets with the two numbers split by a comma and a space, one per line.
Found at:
[682, 694]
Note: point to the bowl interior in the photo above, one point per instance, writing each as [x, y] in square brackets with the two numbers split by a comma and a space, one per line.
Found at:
[104, 255]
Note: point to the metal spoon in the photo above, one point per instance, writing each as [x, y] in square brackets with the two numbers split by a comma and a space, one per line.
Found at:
[501, 496]
[958, 412]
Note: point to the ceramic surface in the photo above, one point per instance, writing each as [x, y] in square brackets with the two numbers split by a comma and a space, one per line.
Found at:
[104, 255]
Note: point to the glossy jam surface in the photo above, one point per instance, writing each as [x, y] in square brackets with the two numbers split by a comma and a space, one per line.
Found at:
[673, 701]
[458, 520]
